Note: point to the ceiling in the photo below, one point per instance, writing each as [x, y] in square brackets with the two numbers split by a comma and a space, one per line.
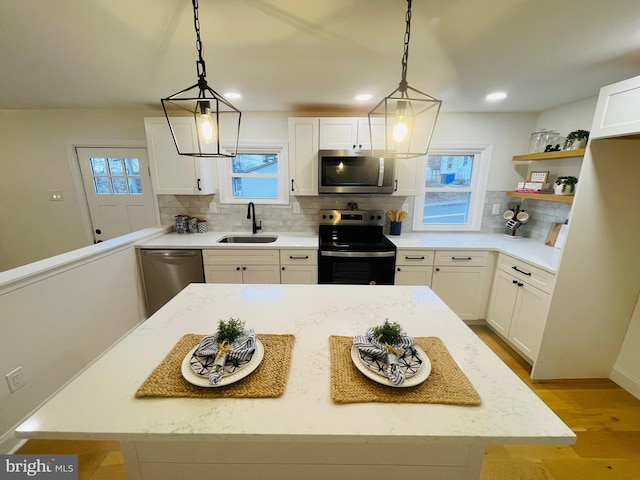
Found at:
[315, 55]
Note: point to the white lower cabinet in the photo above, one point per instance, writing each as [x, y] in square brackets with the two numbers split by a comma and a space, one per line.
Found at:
[518, 309]
[241, 266]
[461, 279]
[299, 266]
[414, 267]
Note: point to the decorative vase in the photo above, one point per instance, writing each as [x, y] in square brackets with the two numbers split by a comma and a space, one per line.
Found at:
[567, 190]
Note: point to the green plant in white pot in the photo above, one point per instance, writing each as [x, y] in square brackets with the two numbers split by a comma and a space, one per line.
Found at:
[576, 139]
[565, 185]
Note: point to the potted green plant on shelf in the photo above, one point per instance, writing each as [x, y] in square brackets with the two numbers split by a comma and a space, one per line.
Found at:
[576, 139]
[565, 185]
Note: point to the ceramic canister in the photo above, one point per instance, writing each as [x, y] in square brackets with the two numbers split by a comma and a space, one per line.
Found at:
[202, 226]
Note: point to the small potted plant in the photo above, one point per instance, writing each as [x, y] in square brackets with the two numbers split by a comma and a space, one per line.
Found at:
[576, 139]
[565, 185]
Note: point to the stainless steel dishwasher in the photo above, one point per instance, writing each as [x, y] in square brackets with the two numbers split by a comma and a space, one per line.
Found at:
[166, 272]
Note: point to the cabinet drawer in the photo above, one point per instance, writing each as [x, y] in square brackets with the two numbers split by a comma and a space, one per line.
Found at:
[462, 258]
[526, 272]
[239, 256]
[414, 257]
[298, 257]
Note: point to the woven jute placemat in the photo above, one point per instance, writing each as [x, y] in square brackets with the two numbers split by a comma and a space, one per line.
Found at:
[267, 381]
[446, 384]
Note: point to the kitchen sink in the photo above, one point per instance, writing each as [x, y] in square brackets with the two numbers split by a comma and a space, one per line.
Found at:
[248, 239]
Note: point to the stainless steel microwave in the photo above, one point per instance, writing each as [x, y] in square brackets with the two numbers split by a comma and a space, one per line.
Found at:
[344, 171]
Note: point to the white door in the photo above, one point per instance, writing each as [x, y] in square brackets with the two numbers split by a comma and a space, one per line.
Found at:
[118, 189]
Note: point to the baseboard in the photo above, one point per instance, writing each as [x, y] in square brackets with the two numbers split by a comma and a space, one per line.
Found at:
[626, 381]
[9, 443]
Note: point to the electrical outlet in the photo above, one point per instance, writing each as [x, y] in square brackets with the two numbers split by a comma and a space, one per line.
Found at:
[496, 209]
[296, 207]
[15, 379]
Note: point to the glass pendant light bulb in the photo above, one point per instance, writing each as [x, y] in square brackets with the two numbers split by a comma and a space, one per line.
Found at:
[400, 128]
[206, 127]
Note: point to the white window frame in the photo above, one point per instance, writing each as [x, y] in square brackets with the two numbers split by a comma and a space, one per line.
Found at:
[478, 188]
[225, 175]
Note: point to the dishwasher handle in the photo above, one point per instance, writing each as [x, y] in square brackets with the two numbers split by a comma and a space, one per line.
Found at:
[171, 253]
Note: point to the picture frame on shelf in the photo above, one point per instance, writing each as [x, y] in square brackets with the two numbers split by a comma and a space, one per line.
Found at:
[539, 176]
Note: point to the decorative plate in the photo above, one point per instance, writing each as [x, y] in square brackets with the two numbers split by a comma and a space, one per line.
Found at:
[414, 362]
[233, 371]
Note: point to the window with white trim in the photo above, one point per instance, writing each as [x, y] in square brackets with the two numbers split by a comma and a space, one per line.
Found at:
[454, 183]
[256, 174]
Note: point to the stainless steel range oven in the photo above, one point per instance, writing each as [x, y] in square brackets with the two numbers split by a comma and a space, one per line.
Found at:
[353, 249]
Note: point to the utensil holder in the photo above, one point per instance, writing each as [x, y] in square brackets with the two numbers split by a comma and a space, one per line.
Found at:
[396, 228]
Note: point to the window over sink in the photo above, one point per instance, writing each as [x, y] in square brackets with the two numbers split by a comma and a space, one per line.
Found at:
[256, 174]
[454, 182]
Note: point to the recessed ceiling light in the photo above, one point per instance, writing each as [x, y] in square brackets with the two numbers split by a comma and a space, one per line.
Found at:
[232, 95]
[496, 96]
[364, 96]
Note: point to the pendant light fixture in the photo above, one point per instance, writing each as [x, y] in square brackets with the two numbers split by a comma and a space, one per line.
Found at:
[408, 115]
[215, 119]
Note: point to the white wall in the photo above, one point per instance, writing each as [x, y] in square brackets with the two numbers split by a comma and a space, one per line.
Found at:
[58, 319]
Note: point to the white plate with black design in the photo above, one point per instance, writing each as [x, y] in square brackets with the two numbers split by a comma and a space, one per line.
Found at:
[233, 371]
[414, 362]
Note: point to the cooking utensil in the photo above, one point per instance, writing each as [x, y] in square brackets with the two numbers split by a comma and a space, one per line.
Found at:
[402, 215]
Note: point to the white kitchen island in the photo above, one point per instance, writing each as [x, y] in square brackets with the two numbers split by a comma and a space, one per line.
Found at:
[303, 433]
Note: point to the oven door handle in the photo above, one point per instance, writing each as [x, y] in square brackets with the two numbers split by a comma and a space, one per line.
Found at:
[357, 254]
[381, 172]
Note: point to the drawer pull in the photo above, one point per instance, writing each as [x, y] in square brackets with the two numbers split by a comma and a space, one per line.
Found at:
[460, 258]
[515, 282]
[298, 257]
[406, 257]
[521, 271]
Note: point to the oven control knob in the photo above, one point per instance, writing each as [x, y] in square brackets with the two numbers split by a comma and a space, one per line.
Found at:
[330, 217]
[324, 217]
[379, 217]
[372, 217]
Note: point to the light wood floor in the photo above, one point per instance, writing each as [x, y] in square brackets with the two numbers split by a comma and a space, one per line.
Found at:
[605, 418]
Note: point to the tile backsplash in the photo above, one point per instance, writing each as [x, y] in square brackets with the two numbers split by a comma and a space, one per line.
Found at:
[275, 218]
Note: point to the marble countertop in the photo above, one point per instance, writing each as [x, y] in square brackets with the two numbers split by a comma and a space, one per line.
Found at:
[526, 249]
[100, 402]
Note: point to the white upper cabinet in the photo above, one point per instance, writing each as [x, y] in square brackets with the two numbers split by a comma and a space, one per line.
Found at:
[617, 112]
[350, 133]
[172, 173]
[303, 155]
[408, 175]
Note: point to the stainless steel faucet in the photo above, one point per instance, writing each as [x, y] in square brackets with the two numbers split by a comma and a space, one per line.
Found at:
[254, 227]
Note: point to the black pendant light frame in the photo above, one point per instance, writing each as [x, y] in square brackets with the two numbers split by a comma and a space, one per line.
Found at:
[194, 100]
[421, 110]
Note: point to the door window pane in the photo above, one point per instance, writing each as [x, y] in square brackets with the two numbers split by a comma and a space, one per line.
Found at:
[115, 166]
[132, 166]
[135, 185]
[103, 187]
[119, 186]
[98, 166]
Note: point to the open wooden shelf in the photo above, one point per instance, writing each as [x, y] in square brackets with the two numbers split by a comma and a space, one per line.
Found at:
[550, 197]
[550, 155]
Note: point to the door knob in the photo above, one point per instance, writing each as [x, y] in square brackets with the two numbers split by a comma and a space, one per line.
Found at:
[98, 231]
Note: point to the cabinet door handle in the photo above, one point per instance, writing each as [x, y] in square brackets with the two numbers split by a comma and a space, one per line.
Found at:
[244, 268]
[461, 258]
[406, 257]
[520, 284]
[237, 268]
[399, 269]
[395, 185]
[283, 269]
[199, 189]
[292, 184]
[437, 269]
[515, 282]
[298, 257]
[521, 271]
